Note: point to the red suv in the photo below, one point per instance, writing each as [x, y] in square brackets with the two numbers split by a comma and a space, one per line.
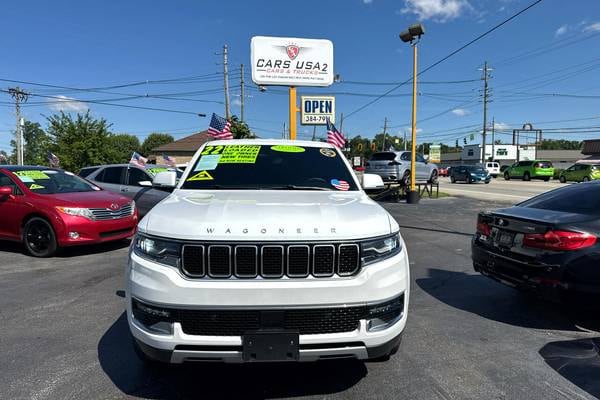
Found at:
[46, 208]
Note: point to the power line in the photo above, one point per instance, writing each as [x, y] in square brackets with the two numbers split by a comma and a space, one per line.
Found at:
[476, 39]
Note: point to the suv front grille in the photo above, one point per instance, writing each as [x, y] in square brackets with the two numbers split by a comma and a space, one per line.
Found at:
[270, 260]
[102, 214]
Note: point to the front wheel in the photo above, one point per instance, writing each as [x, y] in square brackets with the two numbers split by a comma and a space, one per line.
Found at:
[506, 176]
[586, 179]
[562, 179]
[434, 176]
[546, 179]
[526, 176]
[469, 180]
[39, 238]
[452, 179]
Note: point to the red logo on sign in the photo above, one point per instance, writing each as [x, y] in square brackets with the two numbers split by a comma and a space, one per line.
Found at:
[292, 51]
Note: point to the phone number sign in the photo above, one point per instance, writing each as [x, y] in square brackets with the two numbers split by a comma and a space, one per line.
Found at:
[316, 110]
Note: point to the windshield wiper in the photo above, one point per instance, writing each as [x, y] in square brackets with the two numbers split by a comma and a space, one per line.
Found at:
[296, 187]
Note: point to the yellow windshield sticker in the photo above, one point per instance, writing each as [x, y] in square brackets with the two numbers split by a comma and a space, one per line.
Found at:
[201, 176]
[33, 174]
[239, 154]
[36, 186]
[155, 171]
[287, 148]
[213, 150]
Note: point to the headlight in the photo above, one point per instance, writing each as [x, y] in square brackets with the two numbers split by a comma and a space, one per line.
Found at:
[380, 248]
[76, 211]
[158, 250]
[132, 207]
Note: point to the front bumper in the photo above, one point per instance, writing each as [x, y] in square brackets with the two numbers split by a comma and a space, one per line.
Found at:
[90, 232]
[158, 285]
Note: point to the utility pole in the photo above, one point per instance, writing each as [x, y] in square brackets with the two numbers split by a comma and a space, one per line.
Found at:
[19, 96]
[404, 140]
[341, 123]
[226, 82]
[315, 133]
[283, 133]
[242, 94]
[493, 138]
[384, 133]
[485, 78]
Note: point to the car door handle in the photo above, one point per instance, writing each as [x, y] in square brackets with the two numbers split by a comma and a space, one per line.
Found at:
[124, 190]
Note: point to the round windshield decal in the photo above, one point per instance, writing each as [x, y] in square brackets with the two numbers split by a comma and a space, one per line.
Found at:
[283, 148]
[328, 152]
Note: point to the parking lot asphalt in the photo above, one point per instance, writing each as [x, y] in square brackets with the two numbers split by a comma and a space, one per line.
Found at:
[514, 190]
[65, 336]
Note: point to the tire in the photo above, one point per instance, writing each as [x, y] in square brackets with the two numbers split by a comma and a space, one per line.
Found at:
[487, 182]
[39, 238]
[434, 176]
[562, 179]
[526, 176]
[469, 180]
[586, 179]
[452, 179]
[546, 179]
[405, 179]
[506, 176]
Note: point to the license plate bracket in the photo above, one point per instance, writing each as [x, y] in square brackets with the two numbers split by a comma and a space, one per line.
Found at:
[502, 237]
[265, 346]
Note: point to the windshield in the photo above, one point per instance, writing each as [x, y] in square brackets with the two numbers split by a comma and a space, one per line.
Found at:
[269, 167]
[476, 169]
[588, 199]
[53, 181]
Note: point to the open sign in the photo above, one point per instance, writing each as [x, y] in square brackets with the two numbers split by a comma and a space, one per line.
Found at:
[316, 110]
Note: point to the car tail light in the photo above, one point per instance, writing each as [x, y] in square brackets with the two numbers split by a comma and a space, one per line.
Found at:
[483, 228]
[559, 240]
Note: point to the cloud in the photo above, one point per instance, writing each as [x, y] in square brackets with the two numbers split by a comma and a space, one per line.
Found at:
[236, 102]
[64, 103]
[501, 126]
[437, 10]
[461, 112]
[595, 27]
[561, 30]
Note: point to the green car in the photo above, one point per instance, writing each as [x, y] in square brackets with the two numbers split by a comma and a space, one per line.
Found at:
[532, 169]
[580, 173]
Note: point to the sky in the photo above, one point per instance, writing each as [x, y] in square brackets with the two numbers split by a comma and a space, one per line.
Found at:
[545, 64]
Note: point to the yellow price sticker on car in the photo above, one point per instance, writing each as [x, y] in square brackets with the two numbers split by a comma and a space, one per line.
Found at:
[239, 154]
[201, 176]
[36, 186]
[33, 174]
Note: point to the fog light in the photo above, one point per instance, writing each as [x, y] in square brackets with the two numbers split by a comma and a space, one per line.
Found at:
[153, 318]
[74, 235]
[380, 316]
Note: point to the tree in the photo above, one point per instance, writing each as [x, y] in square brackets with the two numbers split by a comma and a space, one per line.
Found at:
[122, 147]
[4, 157]
[36, 144]
[79, 141]
[155, 140]
[240, 130]
[560, 144]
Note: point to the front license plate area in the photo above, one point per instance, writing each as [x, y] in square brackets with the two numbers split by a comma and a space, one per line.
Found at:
[264, 346]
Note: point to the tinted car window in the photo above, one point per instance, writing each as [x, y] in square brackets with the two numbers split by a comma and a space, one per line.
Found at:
[111, 175]
[136, 175]
[6, 181]
[543, 164]
[420, 158]
[525, 163]
[405, 157]
[587, 195]
[282, 167]
[387, 156]
[84, 172]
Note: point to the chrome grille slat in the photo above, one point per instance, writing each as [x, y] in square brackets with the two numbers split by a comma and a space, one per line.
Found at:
[270, 261]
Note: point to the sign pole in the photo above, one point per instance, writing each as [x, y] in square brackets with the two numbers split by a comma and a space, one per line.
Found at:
[412, 197]
[293, 111]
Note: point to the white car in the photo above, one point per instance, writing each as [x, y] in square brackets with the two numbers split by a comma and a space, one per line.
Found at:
[493, 168]
[267, 250]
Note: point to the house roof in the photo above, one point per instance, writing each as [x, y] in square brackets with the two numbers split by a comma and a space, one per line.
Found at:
[189, 143]
[591, 147]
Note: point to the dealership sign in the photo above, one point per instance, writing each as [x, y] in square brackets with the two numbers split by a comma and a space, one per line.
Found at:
[291, 61]
[435, 153]
[317, 109]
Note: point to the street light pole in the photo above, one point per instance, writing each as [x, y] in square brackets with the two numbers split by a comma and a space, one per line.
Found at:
[413, 36]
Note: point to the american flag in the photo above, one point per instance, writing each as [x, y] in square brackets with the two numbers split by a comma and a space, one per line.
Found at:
[138, 160]
[219, 128]
[340, 185]
[334, 136]
[53, 159]
[170, 161]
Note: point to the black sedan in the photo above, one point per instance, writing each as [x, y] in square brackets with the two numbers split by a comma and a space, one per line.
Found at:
[548, 243]
[469, 174]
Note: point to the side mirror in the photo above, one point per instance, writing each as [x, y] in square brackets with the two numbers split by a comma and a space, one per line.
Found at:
[372, 181]
[165, 179]
[145, 183]
[6, 191]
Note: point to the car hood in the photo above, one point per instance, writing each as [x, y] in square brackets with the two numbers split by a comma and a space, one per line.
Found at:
[93, 199]
[267, 215]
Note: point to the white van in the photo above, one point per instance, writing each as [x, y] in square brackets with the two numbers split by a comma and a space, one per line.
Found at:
[493, 168]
